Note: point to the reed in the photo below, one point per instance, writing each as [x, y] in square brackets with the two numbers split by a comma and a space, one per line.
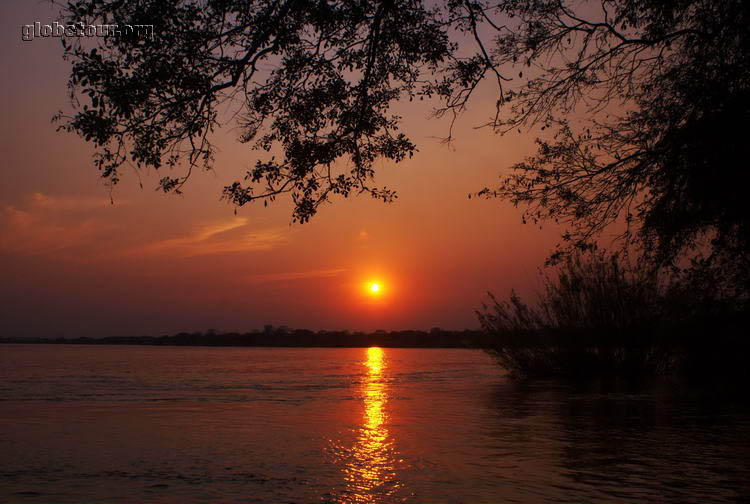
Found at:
[596, 316]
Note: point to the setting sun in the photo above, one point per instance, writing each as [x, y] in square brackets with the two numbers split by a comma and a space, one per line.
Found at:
[376, 289]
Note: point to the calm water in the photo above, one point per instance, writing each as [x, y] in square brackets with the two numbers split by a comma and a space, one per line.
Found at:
[148, 424]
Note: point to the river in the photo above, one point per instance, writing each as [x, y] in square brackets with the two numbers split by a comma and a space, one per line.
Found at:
[142, 424]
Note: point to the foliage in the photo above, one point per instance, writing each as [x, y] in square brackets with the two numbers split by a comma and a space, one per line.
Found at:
[596, 316]
[665, 93]
[312, 79]
[646, 102]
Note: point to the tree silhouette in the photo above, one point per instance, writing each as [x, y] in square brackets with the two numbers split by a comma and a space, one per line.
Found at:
[311, 79]
[646, 102]
[664, 89]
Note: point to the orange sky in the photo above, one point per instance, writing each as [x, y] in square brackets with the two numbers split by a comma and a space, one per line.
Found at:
[72, 264]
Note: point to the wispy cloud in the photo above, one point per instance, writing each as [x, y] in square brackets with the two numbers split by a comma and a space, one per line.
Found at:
[69, 204]
[67, 226]
[42, 229]
[294, 275]
[42, 224]
[220, 237]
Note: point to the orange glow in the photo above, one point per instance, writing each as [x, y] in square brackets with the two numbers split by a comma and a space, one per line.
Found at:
[433, 252]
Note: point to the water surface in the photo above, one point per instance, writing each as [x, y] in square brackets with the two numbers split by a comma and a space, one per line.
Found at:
[121, 424]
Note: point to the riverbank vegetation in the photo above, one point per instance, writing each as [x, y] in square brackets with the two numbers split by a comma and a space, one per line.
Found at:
[598, 315]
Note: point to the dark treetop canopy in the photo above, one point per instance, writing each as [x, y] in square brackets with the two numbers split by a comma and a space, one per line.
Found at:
[646, 103]
[313, 80]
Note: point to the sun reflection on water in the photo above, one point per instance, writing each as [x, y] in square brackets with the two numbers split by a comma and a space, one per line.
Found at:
[370, 465]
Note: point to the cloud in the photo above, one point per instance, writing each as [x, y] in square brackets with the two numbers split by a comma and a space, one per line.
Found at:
[53, 225]
[70, 204]
[222, 237]
[72, 227]
[294, 275]
[37, 229]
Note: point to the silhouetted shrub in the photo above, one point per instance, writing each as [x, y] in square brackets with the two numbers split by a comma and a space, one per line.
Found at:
[597, 315]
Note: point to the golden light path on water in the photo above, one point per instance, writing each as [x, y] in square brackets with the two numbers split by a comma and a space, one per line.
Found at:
[370, 470]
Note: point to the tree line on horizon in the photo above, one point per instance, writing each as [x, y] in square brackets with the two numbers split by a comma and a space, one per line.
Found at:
[283, 336]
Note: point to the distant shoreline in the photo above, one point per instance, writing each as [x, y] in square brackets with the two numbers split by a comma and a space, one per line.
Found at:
[281, 338]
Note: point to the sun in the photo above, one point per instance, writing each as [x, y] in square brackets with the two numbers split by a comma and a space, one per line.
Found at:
[375, 289]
